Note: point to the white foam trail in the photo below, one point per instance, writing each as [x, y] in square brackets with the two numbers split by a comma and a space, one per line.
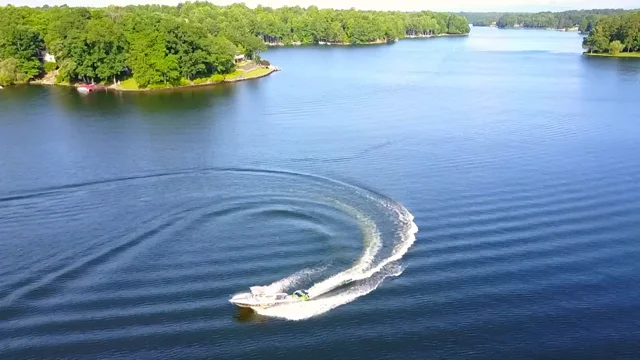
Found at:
[367, 276]
[410, 228]
[307, 309]
[373, 244]
[294, 279]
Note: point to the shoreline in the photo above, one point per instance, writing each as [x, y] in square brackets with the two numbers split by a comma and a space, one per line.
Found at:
[271, 69]
[413, 37]
[622, 55]
[47, 80]
[324, 43]
[573, 29]
[240, 78]
[116, 88]
[377, 42]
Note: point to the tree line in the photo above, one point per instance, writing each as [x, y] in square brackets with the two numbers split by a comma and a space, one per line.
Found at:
[614, 34]
[165, 44]
[481, 18]
[583, 19]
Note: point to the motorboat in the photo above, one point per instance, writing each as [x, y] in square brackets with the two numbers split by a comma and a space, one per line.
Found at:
[85, 89]
[262, 297]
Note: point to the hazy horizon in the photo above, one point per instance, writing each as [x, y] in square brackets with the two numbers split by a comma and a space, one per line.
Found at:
[402, 5]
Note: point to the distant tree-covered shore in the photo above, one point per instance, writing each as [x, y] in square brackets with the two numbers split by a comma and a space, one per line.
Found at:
[584, 20]
[167, 44]
[481, 18]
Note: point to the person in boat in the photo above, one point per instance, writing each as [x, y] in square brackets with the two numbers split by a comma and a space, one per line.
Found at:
[301, 295]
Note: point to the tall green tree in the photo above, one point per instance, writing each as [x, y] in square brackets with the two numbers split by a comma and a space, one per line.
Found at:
[8, 72]
[106, 45]
[146, 52]
[615, 47]
[222, 54]
[23, 45]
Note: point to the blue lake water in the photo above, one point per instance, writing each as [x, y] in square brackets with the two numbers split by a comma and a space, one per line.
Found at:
[127, 221]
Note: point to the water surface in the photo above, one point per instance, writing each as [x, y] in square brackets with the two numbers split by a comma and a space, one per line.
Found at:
[128, 220]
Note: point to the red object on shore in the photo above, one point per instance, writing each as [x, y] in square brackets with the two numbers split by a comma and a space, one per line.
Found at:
[85, 89]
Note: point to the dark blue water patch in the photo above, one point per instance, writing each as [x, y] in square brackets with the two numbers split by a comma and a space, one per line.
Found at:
[128, 220]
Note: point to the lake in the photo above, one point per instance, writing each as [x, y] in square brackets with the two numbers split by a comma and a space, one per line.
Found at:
[127, 221]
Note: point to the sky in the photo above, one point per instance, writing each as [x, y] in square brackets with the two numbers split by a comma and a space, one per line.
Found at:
[403, 5]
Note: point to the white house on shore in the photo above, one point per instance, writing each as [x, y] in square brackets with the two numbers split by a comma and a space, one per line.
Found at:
[239, 58]
[46, 56]
[49, 57]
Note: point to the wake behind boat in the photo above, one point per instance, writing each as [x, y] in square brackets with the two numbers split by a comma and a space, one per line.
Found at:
[260, 297]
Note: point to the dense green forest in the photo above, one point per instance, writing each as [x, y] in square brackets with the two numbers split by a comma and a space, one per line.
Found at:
[583, 19]
[561, 20]
[482, 18]
[165, 44]
[614, 34]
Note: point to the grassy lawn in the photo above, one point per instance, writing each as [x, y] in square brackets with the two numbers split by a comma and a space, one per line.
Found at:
[620, 55]
[197, 81]
[234, 75]
[257, 72]
[129, 84]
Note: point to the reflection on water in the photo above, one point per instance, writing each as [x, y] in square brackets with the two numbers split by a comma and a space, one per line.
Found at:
[517, 40]
[246, 315]
[627, 69]
[152, 102]
[191, 99]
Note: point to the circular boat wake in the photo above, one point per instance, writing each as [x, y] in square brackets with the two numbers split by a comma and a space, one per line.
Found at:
[387, 232]
[220, 229]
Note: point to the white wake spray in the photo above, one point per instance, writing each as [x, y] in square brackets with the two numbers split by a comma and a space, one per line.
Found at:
[367, 273]
[293, 280]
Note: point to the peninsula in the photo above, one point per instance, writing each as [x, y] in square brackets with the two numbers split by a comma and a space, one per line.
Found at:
[192, 44]
[615, 36]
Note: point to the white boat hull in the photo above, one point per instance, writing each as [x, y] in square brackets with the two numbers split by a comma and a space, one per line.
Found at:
[259, 299]
[262, 302]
